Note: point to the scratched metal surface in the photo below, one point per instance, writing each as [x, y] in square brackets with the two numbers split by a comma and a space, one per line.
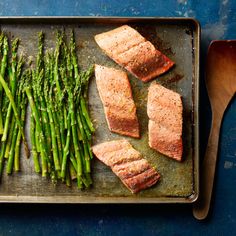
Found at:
[178, 39]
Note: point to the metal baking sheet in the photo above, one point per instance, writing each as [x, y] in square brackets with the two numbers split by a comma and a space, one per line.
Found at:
[178, 38]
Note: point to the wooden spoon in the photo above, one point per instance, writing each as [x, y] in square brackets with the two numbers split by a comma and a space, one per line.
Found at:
[221, 86]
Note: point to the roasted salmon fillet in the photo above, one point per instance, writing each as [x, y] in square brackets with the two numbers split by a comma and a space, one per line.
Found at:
[116, 95]
[127, 163]
[165, 112]
[131, 50]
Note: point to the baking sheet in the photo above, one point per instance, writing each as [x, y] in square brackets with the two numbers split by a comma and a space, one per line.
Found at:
[178, 39]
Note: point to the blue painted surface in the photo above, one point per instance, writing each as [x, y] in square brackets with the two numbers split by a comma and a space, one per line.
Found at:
[218, 21]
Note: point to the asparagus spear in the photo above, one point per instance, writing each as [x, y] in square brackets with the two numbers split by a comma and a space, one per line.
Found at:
[3, 70]
[16, 83]
[39, 86]
[11, 153]
[9, 138]
[60, 130]
[37, 167]
[13, 84]
[2, 159]
[4, 51]
[66, 149]
[22, 102]
[80, 93]
[48, 78]
[18, 121]
[41, 137]
[17, 152]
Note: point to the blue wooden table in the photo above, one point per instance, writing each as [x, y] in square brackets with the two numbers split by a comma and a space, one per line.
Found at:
[218, 21]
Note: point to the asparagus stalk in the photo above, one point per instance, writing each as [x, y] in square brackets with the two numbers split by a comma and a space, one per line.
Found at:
[48, 67]
[56, 75]
[9, 138]
[57, 140]
[33, 143]
[84, 122]
[17, 152]
[12, 149]
[36, 101]
[61, 127]
[77, 151]
[68, 177]
[18, 121]
[36, 116]
[3, 70]
[75, 136]
[1, 41]
[22, 102]
[17, 83]
[66, 149]
[2, 159]
[40, 76]
[13, 83]
[72, 171]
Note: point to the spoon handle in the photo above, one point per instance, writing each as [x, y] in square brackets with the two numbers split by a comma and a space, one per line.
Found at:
[202, 205]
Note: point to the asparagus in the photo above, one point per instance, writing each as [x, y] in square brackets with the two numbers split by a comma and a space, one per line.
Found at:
[68, 177]
[11, 152]
[2, 159]
[83, 118]
[1, 41]
[13, 104]
[40, 121]
[41, 137]
[48, 90]
[72, 170]
[4, 41]
[75, 139]
[39, 85]
[17, 67]
[66, 150]
[22, 102]
[56, 75]
[60, 126]
[17, 152]
[9, 138]
[34, 149]
[16, 138]
[13, 84]
[58, 144]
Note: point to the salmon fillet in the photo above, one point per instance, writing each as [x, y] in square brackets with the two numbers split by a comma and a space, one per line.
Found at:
[131, 50]
[127, 163]
[116, 95]
[165, 111]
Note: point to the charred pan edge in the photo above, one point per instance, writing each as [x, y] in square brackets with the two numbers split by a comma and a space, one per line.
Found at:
[30, 20]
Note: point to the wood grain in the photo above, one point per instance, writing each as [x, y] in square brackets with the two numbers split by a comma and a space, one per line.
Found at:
[221, 86]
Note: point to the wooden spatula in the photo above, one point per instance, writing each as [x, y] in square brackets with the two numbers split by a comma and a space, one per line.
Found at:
[221, 86]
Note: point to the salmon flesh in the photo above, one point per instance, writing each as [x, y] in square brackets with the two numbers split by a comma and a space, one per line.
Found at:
[165, 112]
[127, 163]
[130, 49]
[116, 95]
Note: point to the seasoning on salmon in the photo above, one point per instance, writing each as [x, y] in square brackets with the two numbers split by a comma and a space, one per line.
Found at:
[116, 95]
[165, 111]
[131, 50]
[127, 163]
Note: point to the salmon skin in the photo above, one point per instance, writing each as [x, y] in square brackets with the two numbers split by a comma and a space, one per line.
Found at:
[116, 95]
[165, 111]
[131, 50]
[127, 163]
